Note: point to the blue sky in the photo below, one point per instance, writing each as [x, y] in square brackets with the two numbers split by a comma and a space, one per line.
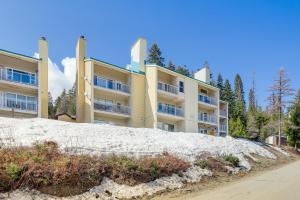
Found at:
[234, 36]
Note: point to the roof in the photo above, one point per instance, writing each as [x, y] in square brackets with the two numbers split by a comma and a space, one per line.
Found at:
[22, 56]
[112, 65]
[155, 65]
[67, 114]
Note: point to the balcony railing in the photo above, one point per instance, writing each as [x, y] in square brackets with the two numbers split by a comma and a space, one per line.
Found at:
[170, 110]
[167, 88]
[223, 113]
[110, 84]
[204, 117]
[18, 76]
[223, 128]
[111, 107]
[207, 99]
[18, 102]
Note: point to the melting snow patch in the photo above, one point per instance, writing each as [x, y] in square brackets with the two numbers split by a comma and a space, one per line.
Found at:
[109, 139]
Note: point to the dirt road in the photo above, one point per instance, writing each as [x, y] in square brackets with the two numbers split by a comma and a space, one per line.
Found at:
[278, 184]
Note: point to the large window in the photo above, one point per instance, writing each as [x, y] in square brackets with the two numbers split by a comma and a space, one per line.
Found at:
[166, 126]
[21, 77]
[20, 102]
[181, 86]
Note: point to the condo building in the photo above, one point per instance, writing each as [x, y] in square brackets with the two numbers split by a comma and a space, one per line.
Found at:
[147, 95]
[24, 83]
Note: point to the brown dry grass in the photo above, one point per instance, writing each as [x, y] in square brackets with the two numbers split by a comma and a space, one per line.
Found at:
[45, 168]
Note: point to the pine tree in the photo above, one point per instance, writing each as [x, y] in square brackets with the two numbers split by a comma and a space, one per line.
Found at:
[281, 89]
[62, 102]
[240, 104]
[252, 106]
[183, 70]
[155, 56]
[229, 97]
[293, 123]
[51, 109]
[171, 66]
[220, 85]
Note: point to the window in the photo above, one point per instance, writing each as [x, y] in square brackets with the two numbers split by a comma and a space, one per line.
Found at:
[203, 91]
[202, 131]
[21, 102]
[10, 100]
[119, 86]
[181, 86]
[166, 126]
[21, 77]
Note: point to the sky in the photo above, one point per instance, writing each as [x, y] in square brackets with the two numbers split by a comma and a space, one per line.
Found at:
[246, 37]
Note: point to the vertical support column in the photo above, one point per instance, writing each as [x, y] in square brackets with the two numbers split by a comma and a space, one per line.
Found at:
[43, 79]
[80, 56]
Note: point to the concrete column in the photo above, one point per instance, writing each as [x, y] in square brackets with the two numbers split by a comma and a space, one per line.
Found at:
[43, 79]
[80, 56]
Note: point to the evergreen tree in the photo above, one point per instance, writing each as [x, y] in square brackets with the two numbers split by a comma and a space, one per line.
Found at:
[171, 66]
[240, 104]
[229, 97]
[62, 102]
[293, 123]
[183, 70]
[51, 109]
[155, 56]
[252, 106]
[237, 128]
[220, 85]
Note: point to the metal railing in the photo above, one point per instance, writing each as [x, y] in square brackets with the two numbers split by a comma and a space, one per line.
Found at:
[207, 99]
[18, 102]
[167, 88]
[223, 128]
[17, 77]
[204, 117]
[223, 113]
[110, 84]
[111, 107]
[170, 110]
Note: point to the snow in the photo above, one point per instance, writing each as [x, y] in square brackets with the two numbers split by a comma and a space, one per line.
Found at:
[109, 139]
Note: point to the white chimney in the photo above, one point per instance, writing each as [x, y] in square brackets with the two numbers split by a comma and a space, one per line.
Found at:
[138, 55]
[203, 75]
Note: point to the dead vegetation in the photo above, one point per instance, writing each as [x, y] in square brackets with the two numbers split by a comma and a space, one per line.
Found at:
[45, 168]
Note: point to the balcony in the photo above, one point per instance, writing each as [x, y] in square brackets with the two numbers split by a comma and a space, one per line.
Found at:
[111, 85]
[104, 106]
[208, 100]
[223, 113]
[20, 77]
[170, 110]
[18, 103]
[206, 118]
[223, 128]
[167, 88]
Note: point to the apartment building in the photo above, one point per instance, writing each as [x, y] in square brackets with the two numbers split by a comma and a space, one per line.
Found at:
[147, 95]
[24, 83]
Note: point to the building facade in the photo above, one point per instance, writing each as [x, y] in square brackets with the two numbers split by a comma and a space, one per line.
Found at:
[24, 83]
[147, 95]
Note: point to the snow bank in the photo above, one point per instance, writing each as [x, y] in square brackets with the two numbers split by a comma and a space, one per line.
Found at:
[108, 139]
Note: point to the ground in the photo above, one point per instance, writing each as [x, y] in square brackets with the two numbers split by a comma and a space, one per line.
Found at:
[96, 139]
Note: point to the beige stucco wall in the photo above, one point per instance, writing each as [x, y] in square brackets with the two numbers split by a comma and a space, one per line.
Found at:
[191, 106]
[16, 114]
[137, 100]
[151, 97]
[88, 92]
